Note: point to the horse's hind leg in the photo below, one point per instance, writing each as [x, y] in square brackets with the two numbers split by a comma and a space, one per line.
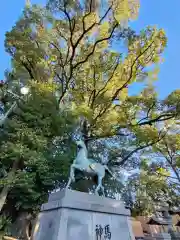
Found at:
[99, 186]
[102, 188]
[69, 183]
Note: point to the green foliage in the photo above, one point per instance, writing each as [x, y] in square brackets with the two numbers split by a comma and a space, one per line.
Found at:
[169, 150]
[159, 176]
[32, 139]
[149, 189]
[4, 224]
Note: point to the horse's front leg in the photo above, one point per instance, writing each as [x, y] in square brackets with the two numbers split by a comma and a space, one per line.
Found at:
[72, 176]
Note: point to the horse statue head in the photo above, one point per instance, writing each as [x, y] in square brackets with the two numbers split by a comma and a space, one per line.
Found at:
[81, 145]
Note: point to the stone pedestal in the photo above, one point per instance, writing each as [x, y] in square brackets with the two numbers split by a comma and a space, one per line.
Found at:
[73, 215]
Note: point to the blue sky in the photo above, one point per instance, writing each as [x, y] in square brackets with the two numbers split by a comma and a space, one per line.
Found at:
[162, 13]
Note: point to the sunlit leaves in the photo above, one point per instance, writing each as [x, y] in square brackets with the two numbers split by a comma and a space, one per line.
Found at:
[81, 110]
[173, 102]
[90, 19]
[163, 172]
[124, 9]
[146, 133]
[123, 95]
[103, 33]
[151, 187]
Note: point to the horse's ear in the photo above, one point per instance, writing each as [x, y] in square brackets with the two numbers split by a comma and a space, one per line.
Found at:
[90, 138]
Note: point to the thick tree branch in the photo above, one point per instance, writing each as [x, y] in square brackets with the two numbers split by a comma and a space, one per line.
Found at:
[93, 92]
[160, 118]
[138, 149]
[86, 15]
[75, 45]
[148, 112]
[29, 70]
[94, 47]
[131, 71]
[91, 27]
[124, 85]
[85, 31]
[110, 78]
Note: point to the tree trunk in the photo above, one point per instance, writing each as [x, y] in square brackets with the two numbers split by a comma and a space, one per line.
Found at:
[5, 190]
[21, 227]
[3, 196]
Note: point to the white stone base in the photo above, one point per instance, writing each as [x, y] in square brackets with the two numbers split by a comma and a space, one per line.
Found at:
[72, 215]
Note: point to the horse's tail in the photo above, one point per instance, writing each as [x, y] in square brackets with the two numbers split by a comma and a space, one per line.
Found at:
[109, 171]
